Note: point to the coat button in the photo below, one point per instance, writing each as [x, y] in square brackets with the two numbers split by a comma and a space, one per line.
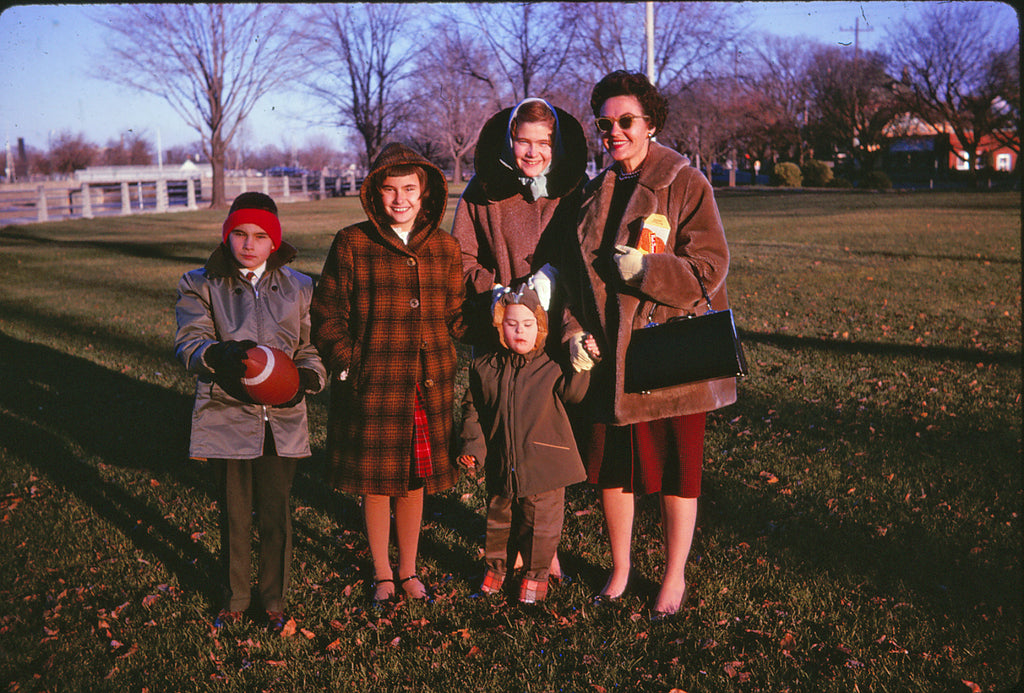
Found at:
[412, 262]
[415, 303]
[428, 382]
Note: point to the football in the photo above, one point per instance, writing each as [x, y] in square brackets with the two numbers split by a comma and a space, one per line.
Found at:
[270, 375]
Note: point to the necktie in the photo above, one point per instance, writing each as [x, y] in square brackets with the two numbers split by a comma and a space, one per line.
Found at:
[250, 276]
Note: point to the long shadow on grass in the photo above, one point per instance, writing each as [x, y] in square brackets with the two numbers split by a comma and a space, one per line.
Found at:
[822, 531]
[959, 259]
[156, 250]
[928, 353]
[61, 412]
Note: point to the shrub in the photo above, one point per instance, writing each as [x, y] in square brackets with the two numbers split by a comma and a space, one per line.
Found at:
[875, 180]
[816, 174]
[787, 175]
[839, 183]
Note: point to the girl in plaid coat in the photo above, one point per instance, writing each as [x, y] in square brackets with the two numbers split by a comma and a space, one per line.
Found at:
[384, 314]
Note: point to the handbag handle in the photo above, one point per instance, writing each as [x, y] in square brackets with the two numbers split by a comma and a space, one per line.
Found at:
[703, 291]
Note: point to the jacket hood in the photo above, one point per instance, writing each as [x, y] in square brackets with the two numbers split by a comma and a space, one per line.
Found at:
[568, 166]
[222, 263]
[436, 193]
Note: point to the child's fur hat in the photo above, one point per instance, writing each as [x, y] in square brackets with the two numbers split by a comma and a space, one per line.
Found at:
[535, 294]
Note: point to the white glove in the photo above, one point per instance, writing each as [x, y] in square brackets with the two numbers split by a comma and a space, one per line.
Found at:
[630, 262]
[497, 291]
[578, 355]
[543, 282]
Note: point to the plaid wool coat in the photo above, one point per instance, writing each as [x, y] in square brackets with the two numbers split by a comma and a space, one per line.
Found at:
[386, 314]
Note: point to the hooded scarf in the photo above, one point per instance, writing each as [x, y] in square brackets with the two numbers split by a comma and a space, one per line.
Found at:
[537, 185]
[495, 164]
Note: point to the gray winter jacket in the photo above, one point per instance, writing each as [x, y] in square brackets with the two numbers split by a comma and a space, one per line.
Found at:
[215, 304]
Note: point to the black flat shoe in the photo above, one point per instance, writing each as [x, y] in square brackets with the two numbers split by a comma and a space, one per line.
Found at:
[374, 599]
[602, 600]
[425, 597]
[662, 616]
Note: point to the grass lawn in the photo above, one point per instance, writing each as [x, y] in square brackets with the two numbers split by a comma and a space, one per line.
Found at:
[860, 525]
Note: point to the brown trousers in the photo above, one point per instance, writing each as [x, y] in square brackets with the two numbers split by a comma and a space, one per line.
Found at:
[268, 479]
[531, 526]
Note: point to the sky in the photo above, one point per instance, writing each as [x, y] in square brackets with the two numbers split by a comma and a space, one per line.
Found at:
[46, 87]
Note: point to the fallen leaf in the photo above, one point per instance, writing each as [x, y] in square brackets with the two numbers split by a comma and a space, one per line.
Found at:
[289, 629]
[277, 662]
[131, 650]
[336, 645]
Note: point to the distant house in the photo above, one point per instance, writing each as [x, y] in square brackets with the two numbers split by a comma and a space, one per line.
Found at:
[917, 153]
[994, 154]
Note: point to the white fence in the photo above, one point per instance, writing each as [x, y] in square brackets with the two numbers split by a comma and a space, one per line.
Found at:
[22, 203]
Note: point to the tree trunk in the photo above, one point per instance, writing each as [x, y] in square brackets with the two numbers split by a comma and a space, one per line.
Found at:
[218, 156]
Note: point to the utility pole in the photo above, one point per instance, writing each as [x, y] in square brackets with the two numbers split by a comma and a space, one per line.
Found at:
[856, 36]
[856, 66]
[650, 41]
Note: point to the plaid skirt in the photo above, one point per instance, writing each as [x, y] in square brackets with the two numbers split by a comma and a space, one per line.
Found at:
[661, 456]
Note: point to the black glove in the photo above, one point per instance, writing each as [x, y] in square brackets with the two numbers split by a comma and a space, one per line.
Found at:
[308, 382]
[226, 358]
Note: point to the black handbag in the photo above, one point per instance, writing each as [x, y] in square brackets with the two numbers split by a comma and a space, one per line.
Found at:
[686, 349]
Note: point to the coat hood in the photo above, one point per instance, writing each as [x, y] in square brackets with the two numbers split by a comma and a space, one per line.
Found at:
[568, 166]
[436, 194]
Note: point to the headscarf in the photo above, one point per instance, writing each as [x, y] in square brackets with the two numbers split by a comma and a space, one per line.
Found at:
[537, 185]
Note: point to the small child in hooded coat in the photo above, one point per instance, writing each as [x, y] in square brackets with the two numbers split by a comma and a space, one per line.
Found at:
[514, 420]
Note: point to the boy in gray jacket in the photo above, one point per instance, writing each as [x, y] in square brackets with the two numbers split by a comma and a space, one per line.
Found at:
[514, 421]
[242, 297]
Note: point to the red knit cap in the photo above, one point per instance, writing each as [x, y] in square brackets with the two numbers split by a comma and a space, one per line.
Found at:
[254, 208]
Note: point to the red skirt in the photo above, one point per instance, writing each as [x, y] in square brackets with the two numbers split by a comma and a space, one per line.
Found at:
[661, 456]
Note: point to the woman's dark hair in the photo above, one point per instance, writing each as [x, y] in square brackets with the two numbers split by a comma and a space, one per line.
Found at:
[623, 83]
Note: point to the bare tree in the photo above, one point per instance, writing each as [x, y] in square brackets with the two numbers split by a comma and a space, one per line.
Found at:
[70, 152]
[854, 101]
[210, 62]
[692, 39]
[528, 44]
[946, 57]
[131, 148]
[359, 58]
[776, 86]
[1004, 75]
[454, 104]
